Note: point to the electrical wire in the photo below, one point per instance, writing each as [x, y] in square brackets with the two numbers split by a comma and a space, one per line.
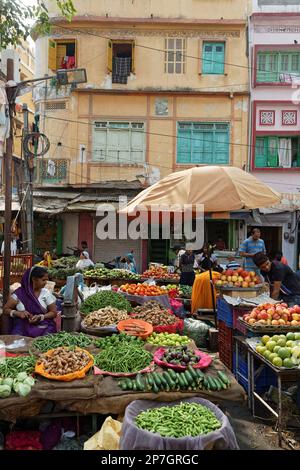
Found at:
[142, 164]
[155, 49]
[171, 136]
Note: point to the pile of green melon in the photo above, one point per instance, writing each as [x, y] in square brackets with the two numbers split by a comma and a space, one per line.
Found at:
[281, 350]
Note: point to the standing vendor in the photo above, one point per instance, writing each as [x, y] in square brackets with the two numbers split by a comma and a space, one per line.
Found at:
[252, 245]
[206, 260]
[186, 265]
[284, 283]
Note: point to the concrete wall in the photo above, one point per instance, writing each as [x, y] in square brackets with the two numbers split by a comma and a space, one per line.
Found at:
[204, 9]
[160, 135]
[276, 6]
[70, 231]
[150, 58]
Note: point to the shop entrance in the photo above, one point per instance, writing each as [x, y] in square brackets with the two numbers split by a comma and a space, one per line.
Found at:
[215, 229]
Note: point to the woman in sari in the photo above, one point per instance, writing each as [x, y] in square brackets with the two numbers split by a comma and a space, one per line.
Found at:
[32, 307]
[201, 292]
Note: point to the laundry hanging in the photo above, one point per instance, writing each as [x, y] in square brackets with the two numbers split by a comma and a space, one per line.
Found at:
[4, 118]
[285, 153]
[121, 69]
[51, 168]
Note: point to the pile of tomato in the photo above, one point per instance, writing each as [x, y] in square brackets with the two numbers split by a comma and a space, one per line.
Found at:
[143, 290]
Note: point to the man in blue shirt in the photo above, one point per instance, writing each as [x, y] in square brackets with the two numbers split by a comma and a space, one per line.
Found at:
[252, 245]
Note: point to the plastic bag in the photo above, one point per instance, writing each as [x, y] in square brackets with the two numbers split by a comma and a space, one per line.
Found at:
[176, 327]
[93, 289]
[178, 308]
[196, 330]
[108, 438]
[134, 438]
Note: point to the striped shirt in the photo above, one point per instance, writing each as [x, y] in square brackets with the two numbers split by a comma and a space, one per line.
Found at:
[233, 265]
[252, 246]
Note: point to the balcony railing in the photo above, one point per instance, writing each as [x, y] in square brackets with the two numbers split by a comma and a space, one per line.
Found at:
[50, 91]
[50, 171]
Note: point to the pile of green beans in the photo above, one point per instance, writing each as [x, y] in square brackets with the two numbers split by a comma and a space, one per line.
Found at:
[56, 340]
[126, 357]
[11, 366]
[186, 419]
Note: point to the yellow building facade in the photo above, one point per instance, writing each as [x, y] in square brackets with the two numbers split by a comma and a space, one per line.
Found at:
[167, 88]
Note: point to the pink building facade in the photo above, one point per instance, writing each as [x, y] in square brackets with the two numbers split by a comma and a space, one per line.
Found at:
[274, 143]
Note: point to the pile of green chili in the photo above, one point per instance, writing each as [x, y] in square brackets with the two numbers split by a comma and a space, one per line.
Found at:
[186, 419]
[126, 357]
[56, 340]
[11, 366]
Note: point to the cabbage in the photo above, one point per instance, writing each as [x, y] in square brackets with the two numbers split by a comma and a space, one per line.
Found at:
[21, 376]
[5, 391]
[296, 355]
[24, 389]
[16, 386]
[8, 381]
[29, 381]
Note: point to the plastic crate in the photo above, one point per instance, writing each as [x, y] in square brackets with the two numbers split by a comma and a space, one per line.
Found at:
[247, 333]
[263, 381]
[225, 343]
[236, 313]
[224, 312]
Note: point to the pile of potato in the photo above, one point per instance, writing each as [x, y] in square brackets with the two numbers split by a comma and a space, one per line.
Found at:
[105, 317]
[64, 361]
[154, 313]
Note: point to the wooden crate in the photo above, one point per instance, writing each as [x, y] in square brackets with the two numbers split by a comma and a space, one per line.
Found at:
[246, 293]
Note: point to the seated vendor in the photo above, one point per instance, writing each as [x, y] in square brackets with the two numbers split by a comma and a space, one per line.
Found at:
[32, 307]
[85, 261]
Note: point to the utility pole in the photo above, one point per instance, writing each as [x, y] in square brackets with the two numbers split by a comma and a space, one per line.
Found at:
[10, 91]
[28, 184]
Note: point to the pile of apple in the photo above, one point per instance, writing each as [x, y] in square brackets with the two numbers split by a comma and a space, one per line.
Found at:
[278, 314]
[238, 278]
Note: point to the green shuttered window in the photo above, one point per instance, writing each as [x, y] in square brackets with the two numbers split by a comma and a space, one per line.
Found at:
[271, 64]
[203, 143]
[269, 148]
[213, 57]
[119, 142]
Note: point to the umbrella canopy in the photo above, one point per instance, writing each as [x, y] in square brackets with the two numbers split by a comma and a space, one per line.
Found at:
[218, 188]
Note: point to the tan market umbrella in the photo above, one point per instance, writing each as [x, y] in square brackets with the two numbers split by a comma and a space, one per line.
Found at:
[219, 188]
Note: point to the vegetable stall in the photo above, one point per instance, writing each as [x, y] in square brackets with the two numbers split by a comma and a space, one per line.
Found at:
[109, 382]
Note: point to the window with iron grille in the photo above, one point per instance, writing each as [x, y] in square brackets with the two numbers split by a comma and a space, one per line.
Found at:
[119, 142]
[53, 171]
[175, 55]
[55, 105]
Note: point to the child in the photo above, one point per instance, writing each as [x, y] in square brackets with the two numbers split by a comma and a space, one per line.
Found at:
[232, 264]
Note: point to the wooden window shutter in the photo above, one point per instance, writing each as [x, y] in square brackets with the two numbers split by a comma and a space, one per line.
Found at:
[52, 55]
[133, 57]
[109, 54]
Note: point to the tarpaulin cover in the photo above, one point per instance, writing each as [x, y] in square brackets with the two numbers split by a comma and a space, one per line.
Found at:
[98, 371]
[134, 438]
[99, 394]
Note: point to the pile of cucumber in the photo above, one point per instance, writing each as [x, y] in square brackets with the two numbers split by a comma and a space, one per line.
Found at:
[191, 379]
